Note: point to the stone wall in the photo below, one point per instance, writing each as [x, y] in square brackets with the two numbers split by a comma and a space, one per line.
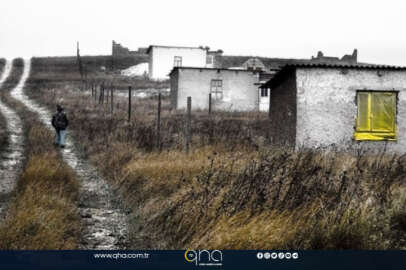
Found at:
[327, 109]
[239, 90]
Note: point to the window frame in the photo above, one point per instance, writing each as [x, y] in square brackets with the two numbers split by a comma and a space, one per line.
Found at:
[211, 57]
[216, 89]
[177, 61]
[264, 90]
[369, 133]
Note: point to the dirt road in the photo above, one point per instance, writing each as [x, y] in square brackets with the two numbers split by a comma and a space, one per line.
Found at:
[105, 222]
[12, 156]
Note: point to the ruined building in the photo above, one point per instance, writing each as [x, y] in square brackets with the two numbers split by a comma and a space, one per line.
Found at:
[120, 50]
[346, 59]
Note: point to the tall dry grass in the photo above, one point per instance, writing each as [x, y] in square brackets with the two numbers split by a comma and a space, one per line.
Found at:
[43, 214]
[235, 190]
[271, 200]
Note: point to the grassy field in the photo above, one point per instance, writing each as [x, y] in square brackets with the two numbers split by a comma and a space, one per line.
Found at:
[43, 212]
[235, 189]
[56, 71]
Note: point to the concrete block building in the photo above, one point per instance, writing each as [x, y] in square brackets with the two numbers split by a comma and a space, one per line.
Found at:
[231, 90]
[162, 59]
[342, 105]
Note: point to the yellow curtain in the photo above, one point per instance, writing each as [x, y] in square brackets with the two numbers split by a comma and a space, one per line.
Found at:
[383, 112]
[376, 116]
[364, 123]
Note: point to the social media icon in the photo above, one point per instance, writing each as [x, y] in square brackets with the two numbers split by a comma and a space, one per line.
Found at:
[295, 255]
[260, 255]
[267, 255]
[281, 255]
[274, 255]
[288, 255]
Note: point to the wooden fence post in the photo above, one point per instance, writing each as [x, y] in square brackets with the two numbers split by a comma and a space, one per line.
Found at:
[102, 99]
[129, 103]
[111, 98]
[188, 124]
[158, 124]
[209, 103]
[107, 95]
[95, 93]
[100, 94]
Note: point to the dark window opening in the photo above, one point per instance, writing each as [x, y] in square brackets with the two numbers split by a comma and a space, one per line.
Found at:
[264, 92]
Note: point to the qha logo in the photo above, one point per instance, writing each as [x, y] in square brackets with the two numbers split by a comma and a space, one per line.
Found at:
[204, 257]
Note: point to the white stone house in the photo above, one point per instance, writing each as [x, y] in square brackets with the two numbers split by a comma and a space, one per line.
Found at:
[231, 90]
[162, 59]
[348, 106]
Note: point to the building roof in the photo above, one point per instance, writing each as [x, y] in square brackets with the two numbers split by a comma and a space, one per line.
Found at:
[176, 47]
[253, 63]
[206, 68]
[344, 65]
[288, 68]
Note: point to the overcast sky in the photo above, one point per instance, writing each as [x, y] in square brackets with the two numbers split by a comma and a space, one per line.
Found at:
[284, 28]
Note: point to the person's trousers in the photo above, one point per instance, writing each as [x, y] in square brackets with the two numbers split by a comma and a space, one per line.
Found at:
[60, 137]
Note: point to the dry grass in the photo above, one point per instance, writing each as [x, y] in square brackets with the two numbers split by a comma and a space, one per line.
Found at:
[43, 212]
[235, 190]
[264, 200]
[42, 216]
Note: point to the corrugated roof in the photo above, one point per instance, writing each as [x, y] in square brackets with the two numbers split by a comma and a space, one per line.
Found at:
[292, 66]
[343, 65]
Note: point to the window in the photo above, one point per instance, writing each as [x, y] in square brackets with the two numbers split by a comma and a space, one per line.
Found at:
[177, 61]
[264, 92]
[216, 89]
[209, 59]
[376, 117]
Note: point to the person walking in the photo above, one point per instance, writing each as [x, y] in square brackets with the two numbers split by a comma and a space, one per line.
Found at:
[60, 123]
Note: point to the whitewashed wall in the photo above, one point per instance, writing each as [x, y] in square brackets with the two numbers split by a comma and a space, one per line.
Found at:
[239, 90]
[162, 60]
[326, 106]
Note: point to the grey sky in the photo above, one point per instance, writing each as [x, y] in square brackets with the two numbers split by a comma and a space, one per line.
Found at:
[252, 27]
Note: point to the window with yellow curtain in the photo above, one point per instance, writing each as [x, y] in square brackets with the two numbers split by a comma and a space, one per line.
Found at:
[376, 117]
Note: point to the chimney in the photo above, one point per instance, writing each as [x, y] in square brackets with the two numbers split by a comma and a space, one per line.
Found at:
[355, 55]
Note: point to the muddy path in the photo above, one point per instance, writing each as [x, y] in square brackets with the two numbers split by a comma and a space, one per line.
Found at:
[12, 156]
[105, 224]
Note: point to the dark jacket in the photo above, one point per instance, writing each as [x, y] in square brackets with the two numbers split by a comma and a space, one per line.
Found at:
[60, 121]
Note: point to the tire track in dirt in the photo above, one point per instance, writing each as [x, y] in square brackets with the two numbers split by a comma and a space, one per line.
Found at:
[12, 156]
[105, 223]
